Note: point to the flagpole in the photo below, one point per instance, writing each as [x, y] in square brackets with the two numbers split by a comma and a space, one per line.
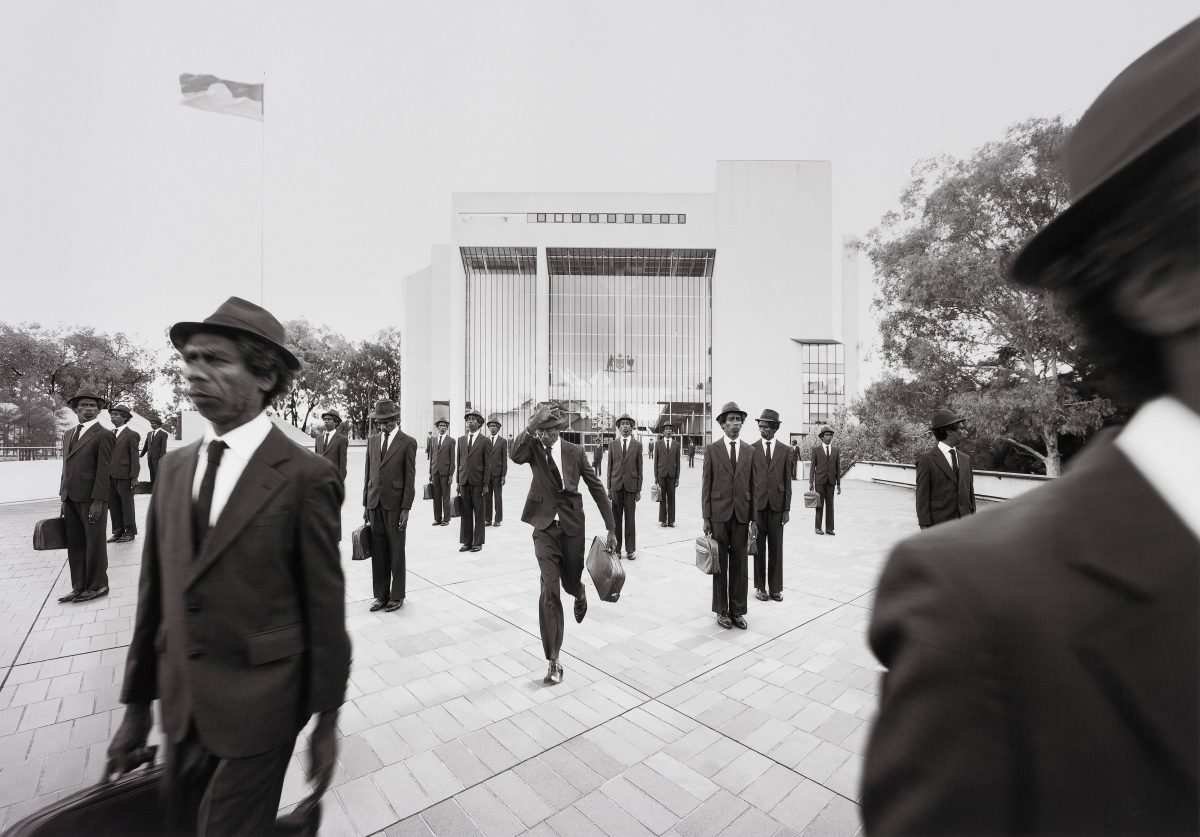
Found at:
[262, 198]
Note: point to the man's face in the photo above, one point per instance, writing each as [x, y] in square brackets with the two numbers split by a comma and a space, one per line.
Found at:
[221, 386]
[442, 429]
[472, 423]
[118, 419]
[732, 425]
[548, 437]
[386, 425]
[626, 427]
[154, 425]
[86, 409]
[495, 428]
[956, 434]
[330, 424]
[766, 429]
[668, 432]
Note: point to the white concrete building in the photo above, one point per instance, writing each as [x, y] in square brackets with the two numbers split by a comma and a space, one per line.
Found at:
[659, 305]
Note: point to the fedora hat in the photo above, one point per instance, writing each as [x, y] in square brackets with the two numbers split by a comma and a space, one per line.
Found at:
[473, 412]
[943, 418]
[826, 429]
[624, 417]
[493, 420]
[769, 415]
[87, 393]
[1150, 109]
[547, 418]
[730, 407]
[122, 409]
[385, 408]
[237, 316]
[332, 414]
[667, 424]
[441, 421]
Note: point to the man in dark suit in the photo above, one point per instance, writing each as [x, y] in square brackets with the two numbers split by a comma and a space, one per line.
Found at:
[154, 447]
[240, 628]
[554, 508]
[666, 474]
[473, 477]
[498, 473]
[691, 452]
[825, 476]
[728, 492]
[796, 457]
[441, 470]
[122, 474]
[773, 505]
[625, 483]
[87, 456]
[598, 458]
[1043, 659]
[388, 491]
[945, 482]
[332, 444]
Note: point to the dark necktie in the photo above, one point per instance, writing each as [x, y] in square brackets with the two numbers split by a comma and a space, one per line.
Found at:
[383, 440]
[768, 451]
[954, 462]
[202, 509]
[624, 447]
[554, 469]
[733, 454]
[75, 437]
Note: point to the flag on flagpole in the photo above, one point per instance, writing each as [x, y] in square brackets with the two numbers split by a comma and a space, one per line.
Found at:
[222, 96]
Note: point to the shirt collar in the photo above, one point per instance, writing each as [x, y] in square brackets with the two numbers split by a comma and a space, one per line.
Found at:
[945, 448]
[555, 448]
[87, 425]
[118, 430]
[729, 439]
[1167, 467]
[244, 440]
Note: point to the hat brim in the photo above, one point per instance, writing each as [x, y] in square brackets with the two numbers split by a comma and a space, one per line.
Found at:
[490, 423]
[721, 416]
[120, 412]
[947, 423]
[333, 416]
[102, 402]
[381, 416]
[182, 332]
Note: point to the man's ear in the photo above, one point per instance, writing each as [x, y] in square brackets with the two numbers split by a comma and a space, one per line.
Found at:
[1160, 303]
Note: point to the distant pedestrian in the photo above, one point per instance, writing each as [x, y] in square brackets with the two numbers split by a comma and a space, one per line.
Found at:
[666, 474]
[331, 443]
[773, 505]
[123, 473]
[797, 457]
[497, 474]
[598, 458]
[727, 497]
[625, 484]
[825, 476]
[473, 477]
[945, 481]
[441, 471]
[154, 447]
[84, 489]
[691, 452]
[388, 491]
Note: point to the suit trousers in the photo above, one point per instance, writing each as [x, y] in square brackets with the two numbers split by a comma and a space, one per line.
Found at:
[388, 572]
[729, 582]
[209, 795]
[87, 553]
[153, 463]
[120, 506]
[768, 563]
[470, 521]
[624, 508]
[666, 500]
[441, 497]
[826, 490]
[560, 559]
[494, 500]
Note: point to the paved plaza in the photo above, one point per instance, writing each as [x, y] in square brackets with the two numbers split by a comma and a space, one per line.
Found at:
[664, 724]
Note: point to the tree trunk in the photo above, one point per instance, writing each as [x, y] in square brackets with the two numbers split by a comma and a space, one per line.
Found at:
[1053, 460]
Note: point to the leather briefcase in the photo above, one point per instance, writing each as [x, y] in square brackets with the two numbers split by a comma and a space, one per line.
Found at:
[812, 500]
[427, 493]
[606, 571]
[361, 543]
[751, 546]
[50, 533]
[143, 487]
[706, 556]
[655, 493]
[455, 506]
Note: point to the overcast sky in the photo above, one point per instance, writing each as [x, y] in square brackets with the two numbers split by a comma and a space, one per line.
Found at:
[122, 210]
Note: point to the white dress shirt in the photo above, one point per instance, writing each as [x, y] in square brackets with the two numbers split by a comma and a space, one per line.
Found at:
[1162, 440]
[81, 429]
[119, 429]
[945, 449]
[243, 442]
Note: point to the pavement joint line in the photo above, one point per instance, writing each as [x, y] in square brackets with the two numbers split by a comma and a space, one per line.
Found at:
[17, 656]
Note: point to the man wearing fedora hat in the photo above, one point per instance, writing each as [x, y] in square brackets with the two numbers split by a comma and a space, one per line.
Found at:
[773, 506]
[332, 444]
[498, 473]
[389, 486]
[945, 481]
[154, 447]
[554, 508]
[122, 474]
[825, 477]
[473, 477]
[240, 628]
[625, 483]
[667, 457]
[728, 493]
[84, 489]
[441, 470]
[1043, 659]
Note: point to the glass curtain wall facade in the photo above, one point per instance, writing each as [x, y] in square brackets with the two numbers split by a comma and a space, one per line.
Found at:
[824, 384]
[501, 352]
[631, 331]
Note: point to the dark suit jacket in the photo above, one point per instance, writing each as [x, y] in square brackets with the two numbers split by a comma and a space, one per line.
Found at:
[442, 459]
[474, 467]
[155, 444]
[775, 484]
[1043, 666]
[86, 465]
[498, 456]
[335, 452]
[666, 464]
[625, 471]
[123, 463]
[545, 500]
[390, 482]
[939, 496]
[825, 469]
[726, 492]
[246, 639]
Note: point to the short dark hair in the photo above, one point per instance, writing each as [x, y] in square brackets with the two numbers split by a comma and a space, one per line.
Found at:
[263, 361]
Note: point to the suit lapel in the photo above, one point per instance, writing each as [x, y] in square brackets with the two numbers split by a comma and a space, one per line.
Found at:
[92, 434]
[257, 484]
[392, 446]
[178, 498]
[940, 459]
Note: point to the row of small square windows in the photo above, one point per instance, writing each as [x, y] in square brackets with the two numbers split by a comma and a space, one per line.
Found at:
[603, 218]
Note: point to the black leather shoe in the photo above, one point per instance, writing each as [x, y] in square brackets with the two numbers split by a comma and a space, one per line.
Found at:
[670, 525]
[487, 523]
[777, 597]
[437, 523]
[632, 556]
[662, 525]
[464, 548]
[113, 539]
[724, 621]
[830, 532]
[88, 595]
[70, 597]
[761, 595]
[554, 673]
[125, 538]
[580, 607]
[740, 622]
[819, 532]
[377, 605]
[477, 549]
[497, 523]
[445, 523]
[393, 605]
